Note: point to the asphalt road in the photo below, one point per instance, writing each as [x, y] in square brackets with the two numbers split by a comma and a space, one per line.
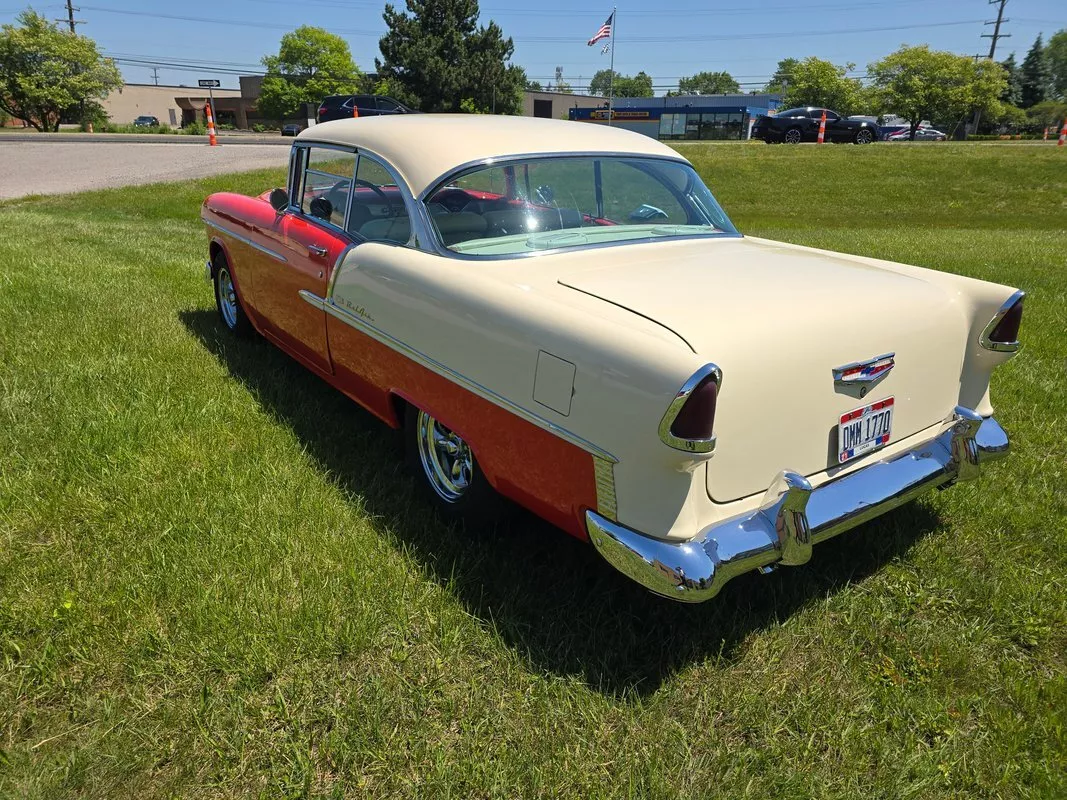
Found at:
[65, 167]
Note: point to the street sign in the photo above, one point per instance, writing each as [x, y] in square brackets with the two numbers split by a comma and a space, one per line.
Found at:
[208, 84]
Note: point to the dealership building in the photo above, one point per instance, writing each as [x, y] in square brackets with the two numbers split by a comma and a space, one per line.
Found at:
[720, 116]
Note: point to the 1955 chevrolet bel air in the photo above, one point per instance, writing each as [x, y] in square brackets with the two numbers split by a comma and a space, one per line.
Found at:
[561, 314]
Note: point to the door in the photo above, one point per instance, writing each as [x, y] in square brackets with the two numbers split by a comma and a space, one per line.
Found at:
[313, 236]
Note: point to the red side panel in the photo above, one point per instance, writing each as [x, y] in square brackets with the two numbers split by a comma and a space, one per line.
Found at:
[541, 472]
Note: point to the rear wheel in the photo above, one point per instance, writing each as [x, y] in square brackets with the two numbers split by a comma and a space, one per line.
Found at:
[226, 300]
[864, 136]
[448, 471]
[793, 136]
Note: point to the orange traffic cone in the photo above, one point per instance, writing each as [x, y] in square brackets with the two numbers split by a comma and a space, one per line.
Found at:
[211, 140]
[1063, 135]
[355, 109]
[1045, 137]
[822, 128]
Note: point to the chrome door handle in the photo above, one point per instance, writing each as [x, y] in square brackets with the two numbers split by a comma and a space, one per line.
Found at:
[315, 250]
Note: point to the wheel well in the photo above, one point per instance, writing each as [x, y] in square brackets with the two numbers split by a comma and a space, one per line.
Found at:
[214, 251]
[399, 406]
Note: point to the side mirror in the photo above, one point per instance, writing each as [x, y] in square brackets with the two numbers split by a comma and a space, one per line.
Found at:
[279, 200]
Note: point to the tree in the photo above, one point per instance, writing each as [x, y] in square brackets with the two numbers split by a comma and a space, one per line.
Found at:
[639, 85]
[1047, 114]
[1036, 78]
[919, 83]
[534, 86]
[1014, 91]
[439, 56]
[311, 64]
[1056, 56]
[709, 83]
[783, 75]
[45, 72]
[814, 82]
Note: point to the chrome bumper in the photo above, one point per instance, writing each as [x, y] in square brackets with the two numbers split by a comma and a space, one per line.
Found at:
[792, 516]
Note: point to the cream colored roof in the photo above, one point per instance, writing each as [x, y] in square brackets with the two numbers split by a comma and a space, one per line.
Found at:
[423, 147]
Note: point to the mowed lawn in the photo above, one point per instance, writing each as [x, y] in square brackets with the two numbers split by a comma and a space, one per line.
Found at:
[217, 579]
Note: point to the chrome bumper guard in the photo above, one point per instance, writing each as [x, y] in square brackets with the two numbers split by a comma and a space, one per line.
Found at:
[792, 516]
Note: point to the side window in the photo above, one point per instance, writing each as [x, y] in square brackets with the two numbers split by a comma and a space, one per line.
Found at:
[378, 212]
[387, 105]
[327, 184]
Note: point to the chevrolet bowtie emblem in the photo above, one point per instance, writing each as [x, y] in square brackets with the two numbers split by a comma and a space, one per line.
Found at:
[864, 372]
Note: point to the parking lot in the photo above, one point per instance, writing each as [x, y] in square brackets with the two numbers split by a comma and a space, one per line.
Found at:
[66, 167]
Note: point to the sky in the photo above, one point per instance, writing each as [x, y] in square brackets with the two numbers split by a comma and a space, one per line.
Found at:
[221, 39]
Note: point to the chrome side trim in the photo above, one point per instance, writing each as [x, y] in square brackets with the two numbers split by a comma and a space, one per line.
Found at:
[312, 298]
[793, 516]
[337, 268]
[470, 385]
[207, 271]
[604, 471]
[245, 240]
[1001, 347]
[665, 435]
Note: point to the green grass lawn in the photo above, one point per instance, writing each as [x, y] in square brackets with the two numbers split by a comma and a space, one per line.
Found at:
[216, 578]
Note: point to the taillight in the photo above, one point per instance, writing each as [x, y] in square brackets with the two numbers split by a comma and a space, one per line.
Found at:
[689, 423]
[322, 110]
[1002, 332]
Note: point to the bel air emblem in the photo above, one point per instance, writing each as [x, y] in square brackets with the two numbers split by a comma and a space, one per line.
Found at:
[864, 374]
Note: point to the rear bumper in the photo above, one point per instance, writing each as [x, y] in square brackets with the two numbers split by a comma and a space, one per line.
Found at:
[792, 516]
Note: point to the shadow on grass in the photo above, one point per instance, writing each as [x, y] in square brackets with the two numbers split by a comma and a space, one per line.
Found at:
[549, 596]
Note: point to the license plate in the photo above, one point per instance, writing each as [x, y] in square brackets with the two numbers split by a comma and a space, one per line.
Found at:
[864, 429]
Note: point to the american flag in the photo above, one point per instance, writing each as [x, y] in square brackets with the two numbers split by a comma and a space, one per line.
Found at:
[604, 32]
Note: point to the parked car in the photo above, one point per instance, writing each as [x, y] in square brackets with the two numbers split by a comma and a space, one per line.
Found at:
[562, 315]
[796, 125]
[146, 122]
[369, 105]
[292, 129]
[921, 135]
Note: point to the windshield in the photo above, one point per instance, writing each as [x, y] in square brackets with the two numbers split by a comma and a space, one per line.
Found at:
[551, 203]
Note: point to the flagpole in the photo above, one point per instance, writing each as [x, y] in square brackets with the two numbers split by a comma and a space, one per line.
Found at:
[611, 69]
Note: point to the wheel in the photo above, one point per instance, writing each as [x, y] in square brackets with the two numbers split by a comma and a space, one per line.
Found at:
[226, 300]
[864, 136]
[448, 471]
[793, 136]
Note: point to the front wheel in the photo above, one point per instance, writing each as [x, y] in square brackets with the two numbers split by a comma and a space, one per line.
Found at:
[864, 136]
[793, 136]
[448, 471]
[227, 301]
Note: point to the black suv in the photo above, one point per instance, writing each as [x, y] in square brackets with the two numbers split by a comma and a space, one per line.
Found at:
[369, 105]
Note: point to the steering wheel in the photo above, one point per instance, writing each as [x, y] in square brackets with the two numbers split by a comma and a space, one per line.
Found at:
[391, 212]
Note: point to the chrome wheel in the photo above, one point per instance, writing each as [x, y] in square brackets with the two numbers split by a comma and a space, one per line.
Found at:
[446, 458]
[793, 136]
[864, 136]
[227, 298]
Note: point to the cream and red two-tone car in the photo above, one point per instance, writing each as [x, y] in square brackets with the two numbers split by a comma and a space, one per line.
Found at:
[560, 314]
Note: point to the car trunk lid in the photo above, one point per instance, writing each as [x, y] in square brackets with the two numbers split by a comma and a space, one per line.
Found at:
[777, 320]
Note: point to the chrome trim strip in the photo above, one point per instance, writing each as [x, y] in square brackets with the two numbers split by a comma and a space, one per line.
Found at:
[604, 471]
[470, 385]
[792, 516]
[313, 298]
[337, 268]
[207, 271]
[1001, 347]
[245, 240]
[665, 435]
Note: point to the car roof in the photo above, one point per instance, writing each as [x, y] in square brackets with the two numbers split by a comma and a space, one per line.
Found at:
[424, 147]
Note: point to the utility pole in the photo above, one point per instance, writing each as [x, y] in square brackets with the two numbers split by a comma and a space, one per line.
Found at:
[994, 37]
[70, 16]
[996, 34]
[155, 75]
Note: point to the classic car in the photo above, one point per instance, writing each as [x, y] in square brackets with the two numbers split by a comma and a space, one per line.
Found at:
[561, 314]
[922, 134]
[796, 125]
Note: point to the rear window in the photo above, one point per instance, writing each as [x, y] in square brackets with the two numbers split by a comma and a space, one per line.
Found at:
[551, 203]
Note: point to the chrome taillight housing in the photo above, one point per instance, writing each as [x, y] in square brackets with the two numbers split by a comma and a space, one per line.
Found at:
[689, 422]
[1002, 332]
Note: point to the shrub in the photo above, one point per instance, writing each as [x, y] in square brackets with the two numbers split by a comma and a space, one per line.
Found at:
[195, 128]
